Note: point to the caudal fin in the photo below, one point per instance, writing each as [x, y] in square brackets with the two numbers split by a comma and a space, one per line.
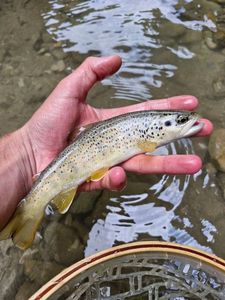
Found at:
[21, 228]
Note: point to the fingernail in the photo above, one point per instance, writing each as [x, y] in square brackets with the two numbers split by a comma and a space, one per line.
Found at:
[120, 189]
[191, 164]
[191, 102]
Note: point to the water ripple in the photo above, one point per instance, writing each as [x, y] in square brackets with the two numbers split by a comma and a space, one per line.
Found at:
[133, 29]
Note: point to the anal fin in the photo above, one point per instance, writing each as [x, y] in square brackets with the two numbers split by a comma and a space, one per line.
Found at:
[63, 201]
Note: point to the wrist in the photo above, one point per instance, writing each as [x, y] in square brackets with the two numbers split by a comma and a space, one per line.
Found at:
[17, 169]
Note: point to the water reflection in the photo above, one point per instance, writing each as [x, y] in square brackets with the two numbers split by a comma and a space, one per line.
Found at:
[132, 215]
[133, 29]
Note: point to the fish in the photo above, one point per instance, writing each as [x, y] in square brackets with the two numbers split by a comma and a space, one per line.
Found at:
[89, 157]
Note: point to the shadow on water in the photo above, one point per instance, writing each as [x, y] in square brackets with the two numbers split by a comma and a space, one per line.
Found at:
[164, 53]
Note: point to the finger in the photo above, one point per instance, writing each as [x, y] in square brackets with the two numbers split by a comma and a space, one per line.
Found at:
[93, 69]
[178, 102]
[171, 164]
[114, 180]
[207, 129]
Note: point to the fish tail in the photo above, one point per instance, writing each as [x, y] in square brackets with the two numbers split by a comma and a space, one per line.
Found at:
[22, 228]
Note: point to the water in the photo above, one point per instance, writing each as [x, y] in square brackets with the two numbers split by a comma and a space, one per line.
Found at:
[164, 53]
[160, 43]
[136, 31]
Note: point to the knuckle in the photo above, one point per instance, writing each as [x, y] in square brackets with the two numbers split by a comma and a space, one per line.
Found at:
[141, 165]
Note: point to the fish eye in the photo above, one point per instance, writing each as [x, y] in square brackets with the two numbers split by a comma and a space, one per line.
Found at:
[167, 123]
[182, 119]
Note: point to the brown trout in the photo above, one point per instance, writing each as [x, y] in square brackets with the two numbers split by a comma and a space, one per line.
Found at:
[94, 151]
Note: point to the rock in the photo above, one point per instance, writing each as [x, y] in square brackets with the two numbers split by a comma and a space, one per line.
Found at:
[68, 221]
[26, 290]
[172, 30]
[57, 45]
[30, 253]
[42, 51]
[2, 53]
[21, 83]
[41, 271]
[63, 244]
[58, 67]
[11, 272]
[47, 54]
[219, 37]
[37, 42]
[217, 148]
[85, 202]
[59, 54]
[210, 43]
[5, 246]
[8, 70]
[210, 169]
[221, 182]
[219, 87]
[81, 229]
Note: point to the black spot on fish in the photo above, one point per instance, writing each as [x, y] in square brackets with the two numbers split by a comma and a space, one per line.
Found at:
[168, 123]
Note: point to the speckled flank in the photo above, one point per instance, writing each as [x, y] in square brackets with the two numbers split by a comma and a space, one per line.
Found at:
[102, 146]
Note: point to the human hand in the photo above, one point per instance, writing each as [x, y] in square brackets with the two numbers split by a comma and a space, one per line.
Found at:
[65, 109]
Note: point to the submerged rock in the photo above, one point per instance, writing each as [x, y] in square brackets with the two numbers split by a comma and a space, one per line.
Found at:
[85, 202]
[26, 290]
[41, 271]
[58, 66]
[210, 169]
[215, 38]
[217, 148]
[11, 272]
[219, 87]
[221, 183]
[63, 244]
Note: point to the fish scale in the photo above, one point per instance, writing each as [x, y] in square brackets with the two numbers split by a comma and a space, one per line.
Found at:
[93, 152]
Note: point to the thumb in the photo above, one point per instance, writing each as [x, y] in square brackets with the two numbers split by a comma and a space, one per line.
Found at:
[93, 69]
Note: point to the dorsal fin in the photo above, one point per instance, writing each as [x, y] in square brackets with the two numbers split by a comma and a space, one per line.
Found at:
[35, 177]
[77, 131]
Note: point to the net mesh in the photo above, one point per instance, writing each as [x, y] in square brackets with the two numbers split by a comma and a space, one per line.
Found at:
[146, 276]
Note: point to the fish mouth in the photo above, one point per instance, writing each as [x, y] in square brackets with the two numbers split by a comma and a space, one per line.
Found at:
[195, 127]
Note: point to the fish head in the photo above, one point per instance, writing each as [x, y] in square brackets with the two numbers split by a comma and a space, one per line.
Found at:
[178, 124]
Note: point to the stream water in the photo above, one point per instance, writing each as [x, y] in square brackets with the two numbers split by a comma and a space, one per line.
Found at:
[162, 47]
[166, 51]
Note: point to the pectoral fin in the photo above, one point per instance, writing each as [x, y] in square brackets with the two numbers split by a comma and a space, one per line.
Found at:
[22, 228]
[147, 146]
[63, 201]
[98, 175]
